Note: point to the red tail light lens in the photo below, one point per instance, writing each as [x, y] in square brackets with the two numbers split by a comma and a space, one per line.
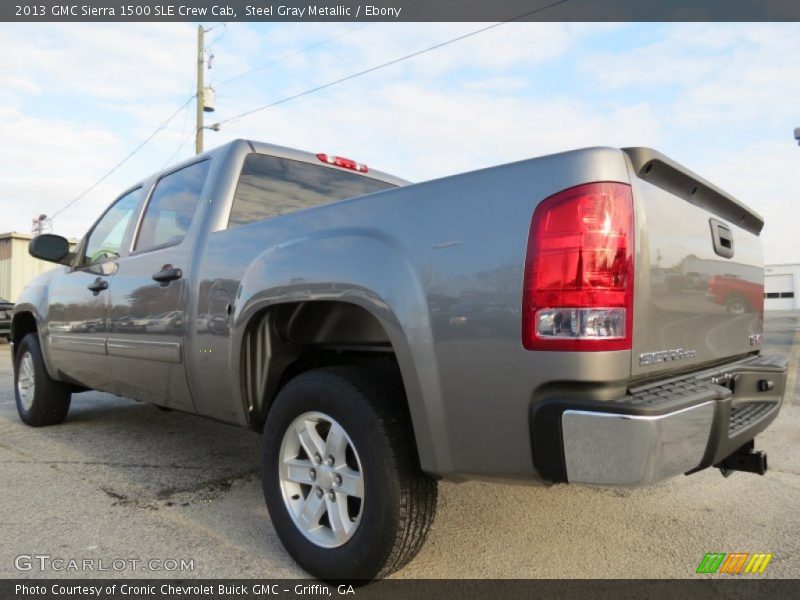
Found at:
[578, 287]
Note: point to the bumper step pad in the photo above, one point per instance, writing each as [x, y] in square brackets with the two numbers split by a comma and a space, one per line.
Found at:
[678, 392]
[742, 416]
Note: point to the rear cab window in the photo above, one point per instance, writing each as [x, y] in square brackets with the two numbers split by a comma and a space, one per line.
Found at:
[270, 186]
[172, 207]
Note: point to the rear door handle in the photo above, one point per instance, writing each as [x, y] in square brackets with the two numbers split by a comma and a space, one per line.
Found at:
[166, 274]
[97, 286]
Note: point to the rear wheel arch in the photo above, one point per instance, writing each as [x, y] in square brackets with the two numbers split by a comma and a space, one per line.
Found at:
[286, 340]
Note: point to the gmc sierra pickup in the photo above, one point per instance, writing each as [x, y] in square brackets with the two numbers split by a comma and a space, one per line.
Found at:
[546, 320]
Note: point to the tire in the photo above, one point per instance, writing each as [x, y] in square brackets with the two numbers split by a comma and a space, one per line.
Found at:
[390, 522]
[48, 402]
[737, 306]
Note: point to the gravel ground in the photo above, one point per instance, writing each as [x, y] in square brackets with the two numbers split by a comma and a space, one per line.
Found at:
[121, 480]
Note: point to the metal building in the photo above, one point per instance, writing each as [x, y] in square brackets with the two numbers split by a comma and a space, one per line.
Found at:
[782, 287]
[17, 267]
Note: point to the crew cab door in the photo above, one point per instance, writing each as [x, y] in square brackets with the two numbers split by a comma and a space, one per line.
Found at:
[78, 299]
[149, 291]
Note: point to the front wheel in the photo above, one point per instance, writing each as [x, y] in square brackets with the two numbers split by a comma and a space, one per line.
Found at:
[41, 400]
[341, 478]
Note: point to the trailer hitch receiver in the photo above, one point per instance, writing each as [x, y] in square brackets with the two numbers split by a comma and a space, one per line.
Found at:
[744, 459]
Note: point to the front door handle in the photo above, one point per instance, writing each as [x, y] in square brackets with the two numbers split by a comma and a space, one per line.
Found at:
[166, 274]
[97, 286]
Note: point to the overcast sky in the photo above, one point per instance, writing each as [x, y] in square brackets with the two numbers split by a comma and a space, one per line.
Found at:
[722, 99]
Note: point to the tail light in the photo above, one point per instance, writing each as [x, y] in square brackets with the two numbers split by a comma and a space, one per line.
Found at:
[578, 286]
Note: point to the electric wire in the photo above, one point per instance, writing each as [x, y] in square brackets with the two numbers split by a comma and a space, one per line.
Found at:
[185, 106]
[304, 93]
[388, 63]
[130, 155]
[183, 127]
[292, 54]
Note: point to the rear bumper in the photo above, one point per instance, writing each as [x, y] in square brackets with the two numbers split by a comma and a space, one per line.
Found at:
[659, 430]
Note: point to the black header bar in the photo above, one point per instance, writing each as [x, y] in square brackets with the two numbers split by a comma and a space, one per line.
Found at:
[700, 588]
[400, 10]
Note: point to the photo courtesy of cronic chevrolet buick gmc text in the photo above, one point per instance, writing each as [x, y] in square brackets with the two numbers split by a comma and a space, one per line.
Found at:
[559, 319]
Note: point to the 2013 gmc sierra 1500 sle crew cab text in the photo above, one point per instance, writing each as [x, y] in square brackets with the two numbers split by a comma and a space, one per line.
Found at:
[547, 320]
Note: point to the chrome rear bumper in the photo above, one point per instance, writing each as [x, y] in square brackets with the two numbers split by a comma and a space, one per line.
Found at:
[617, 449]
[674, 427]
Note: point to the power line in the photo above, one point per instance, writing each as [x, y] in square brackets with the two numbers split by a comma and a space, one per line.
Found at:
[219, 37]
[124, 160]
[302, 50]
[301, 94]
[389, 63]
[291, 54]
[185, 121]
[185, 139]
[178, 149]
[183, 142]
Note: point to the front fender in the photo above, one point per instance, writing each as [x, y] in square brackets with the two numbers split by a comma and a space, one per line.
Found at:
[372, 270]
[34, 301]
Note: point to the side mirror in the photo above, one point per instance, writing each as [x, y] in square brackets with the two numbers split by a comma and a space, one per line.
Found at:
[49, 247]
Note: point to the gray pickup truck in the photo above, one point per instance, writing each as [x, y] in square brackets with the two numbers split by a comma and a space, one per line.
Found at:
[546, 321]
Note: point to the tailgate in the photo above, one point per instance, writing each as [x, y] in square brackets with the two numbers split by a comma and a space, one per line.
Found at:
[699, 289]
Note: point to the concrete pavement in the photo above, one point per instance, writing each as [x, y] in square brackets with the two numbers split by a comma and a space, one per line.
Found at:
[122, 480]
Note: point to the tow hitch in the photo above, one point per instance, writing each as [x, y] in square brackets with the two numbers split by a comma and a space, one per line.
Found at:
[744, 459]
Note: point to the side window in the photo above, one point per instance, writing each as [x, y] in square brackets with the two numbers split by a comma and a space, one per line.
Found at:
[172, 207]
[106, 238]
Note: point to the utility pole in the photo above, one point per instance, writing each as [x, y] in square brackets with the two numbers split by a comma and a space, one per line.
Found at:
[38, 224]
[198, 138]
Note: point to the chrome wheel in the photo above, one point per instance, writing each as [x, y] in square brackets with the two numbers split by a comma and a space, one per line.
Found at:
[321, 479]
[26, 381]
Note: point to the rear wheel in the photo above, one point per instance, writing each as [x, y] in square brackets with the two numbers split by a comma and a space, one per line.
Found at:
[341, 478]
[41, 400]
[737, 306]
